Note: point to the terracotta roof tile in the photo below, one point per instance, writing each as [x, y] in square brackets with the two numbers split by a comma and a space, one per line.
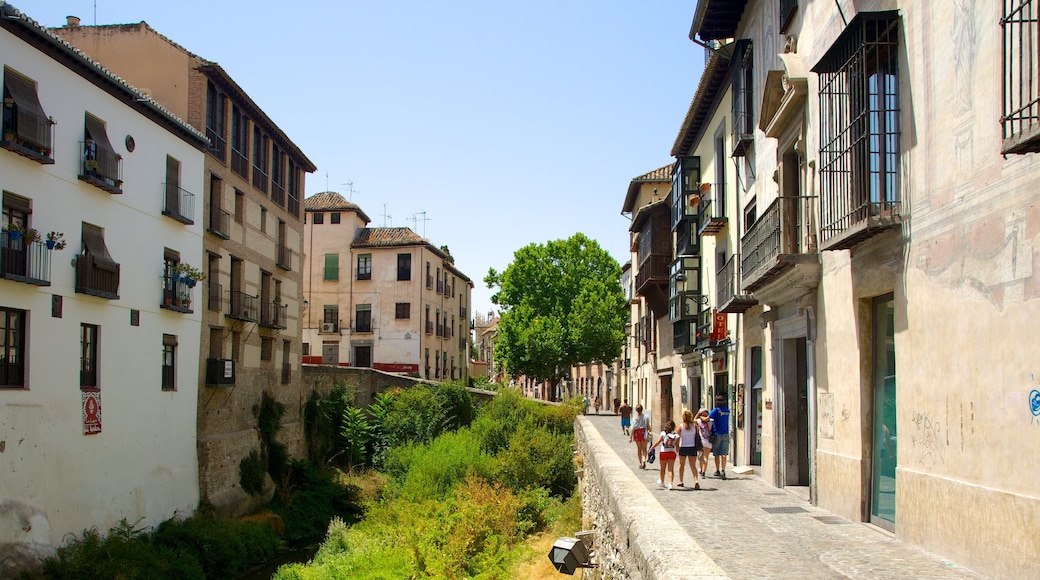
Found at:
[332, 201]
[659, 175]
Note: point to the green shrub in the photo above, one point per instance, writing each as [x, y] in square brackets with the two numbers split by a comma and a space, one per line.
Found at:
[536, 457]
[354, 435]
[431, 471]
[317, 497]
[251, 473]
[223, 548]
[322, 417]
[456, 404]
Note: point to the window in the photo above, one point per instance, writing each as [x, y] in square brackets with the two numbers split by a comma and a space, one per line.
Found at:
[169, 377]
[26, 127]
[295, 185]
[259, 159]
[88, 356]
[286, 365]
[332, 266]
[266, 348]
[363, 356]
[364, 267]
[97, 273]
[331, 315]
[403, 310]
[101, 164]
[429, 278]
[1021, 77]
[239, 141]
[278, 176]
[319, 218]
[263, 219]
[12, 348]
[215, 121]
[404, 267]
[743, 100]
[334, 217]
[363, 318]
[859, 134]
[178, 204]
[240, 206]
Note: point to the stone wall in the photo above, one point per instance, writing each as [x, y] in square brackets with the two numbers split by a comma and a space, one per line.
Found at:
[365, 382]
[635, 537]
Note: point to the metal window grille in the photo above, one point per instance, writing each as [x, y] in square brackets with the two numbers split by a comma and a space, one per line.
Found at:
[1021, 76]
[859, 129]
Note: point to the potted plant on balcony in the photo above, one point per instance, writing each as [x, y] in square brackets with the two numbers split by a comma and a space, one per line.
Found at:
[189, 273]
[56, 241]
[17, 232]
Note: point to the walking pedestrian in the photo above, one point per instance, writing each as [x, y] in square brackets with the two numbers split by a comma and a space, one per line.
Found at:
[597, 404]
[704, 433]
[617, 405]
[586, 411]
[626, 417]
[639, 428]
[689, 448]
[669, 441]
[720, 423]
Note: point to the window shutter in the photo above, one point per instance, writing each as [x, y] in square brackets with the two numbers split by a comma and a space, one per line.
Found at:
[94, 243]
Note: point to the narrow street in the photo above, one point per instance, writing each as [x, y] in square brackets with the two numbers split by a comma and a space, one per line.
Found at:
[753, 530]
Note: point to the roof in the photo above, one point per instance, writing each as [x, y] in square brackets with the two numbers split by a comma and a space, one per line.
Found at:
[648, 210]
[717, 19]
[332, 201]
[222, 79]
[29, 30]
[659, 175]
[403, 237]
[714, 79]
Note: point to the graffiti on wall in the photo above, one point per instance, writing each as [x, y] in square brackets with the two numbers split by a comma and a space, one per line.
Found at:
[827, 415]
[927, 440]
[1034, 406]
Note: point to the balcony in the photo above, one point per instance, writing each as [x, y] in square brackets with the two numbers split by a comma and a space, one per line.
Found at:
[277, 192]
[219, 222]
[96, 278]
[274, 315]
[259, 179]
[220, 372]
[284, 260]
[218, 145]
[105, 170]
[727, 282]
[178, 204]
[294, 203]
[176, 294]
[34, 135]
[429, 327]
[242, 306]
[24, 262]
[239, 163]
[712, 215]
[429, 281]
[653, 271]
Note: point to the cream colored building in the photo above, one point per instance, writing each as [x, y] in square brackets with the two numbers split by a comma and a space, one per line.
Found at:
[98, 371]
[254, 184]
[383, 298]
[885, 156]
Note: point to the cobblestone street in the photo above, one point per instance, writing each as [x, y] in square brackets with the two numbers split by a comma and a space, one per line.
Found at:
[753, 530]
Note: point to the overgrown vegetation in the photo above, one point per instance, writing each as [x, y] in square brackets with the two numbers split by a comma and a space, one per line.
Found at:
[192, 548]
[461, 498]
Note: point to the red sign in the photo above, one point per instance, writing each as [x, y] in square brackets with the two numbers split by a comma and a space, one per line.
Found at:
[718, 326]
[91, 411]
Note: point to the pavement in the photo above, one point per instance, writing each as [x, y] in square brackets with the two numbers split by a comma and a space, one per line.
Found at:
[752, 530]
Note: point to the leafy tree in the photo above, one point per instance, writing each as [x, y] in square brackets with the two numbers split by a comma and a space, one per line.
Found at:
[562, 305]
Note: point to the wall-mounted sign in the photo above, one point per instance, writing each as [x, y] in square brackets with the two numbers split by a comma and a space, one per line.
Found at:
[91, 411]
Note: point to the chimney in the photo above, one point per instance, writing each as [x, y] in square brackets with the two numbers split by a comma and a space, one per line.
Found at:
[72, 21]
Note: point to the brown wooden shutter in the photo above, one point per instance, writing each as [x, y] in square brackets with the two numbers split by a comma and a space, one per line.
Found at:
[94, 243]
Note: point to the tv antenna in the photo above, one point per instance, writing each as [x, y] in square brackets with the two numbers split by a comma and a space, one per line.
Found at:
[422, 219]
[387, 216]
[350, 190]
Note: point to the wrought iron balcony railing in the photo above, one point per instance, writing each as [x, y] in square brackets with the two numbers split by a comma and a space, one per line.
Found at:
[179, 204]
[274, 315]
[243, 306]
[24, 262]
[219, 222]
[218, 145]
[729, 295]
[102, 168]
[101, 280]
[176, 293]
[284, 258]
[27, 133]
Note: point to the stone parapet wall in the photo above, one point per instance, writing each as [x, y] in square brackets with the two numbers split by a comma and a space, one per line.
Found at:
[635, 537]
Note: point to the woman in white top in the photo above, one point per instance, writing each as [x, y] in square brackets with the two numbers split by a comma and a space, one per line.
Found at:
[704, 429]
[638, 435]
[689, 447]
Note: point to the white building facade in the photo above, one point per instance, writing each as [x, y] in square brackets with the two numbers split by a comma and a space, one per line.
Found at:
[99, 340]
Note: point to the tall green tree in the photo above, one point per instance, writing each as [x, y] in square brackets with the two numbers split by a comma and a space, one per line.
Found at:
[561, 305]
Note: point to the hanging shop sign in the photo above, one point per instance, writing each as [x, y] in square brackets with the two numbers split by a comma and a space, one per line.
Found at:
[718, 326]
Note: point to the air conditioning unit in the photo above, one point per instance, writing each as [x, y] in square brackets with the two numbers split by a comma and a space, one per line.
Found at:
[328, 327]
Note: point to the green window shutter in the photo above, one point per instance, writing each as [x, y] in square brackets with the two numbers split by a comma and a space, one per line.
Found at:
[332, 266]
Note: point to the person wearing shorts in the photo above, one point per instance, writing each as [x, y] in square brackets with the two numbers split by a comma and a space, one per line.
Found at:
[669, 442]
[638, 436]
[689, 447]
[720, 422]
[626, 417]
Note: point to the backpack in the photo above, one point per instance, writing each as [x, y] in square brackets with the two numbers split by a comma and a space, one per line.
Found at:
[669, 440]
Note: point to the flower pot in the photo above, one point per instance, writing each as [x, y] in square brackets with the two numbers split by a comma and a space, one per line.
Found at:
[50, 244]
[190, 282]
[14, 235]
[175, 277]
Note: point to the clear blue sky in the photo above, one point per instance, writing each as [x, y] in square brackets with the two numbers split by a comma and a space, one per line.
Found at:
[506, 122]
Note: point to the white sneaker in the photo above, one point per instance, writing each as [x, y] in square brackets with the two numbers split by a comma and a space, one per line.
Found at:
[660, 484]
[669, 486]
